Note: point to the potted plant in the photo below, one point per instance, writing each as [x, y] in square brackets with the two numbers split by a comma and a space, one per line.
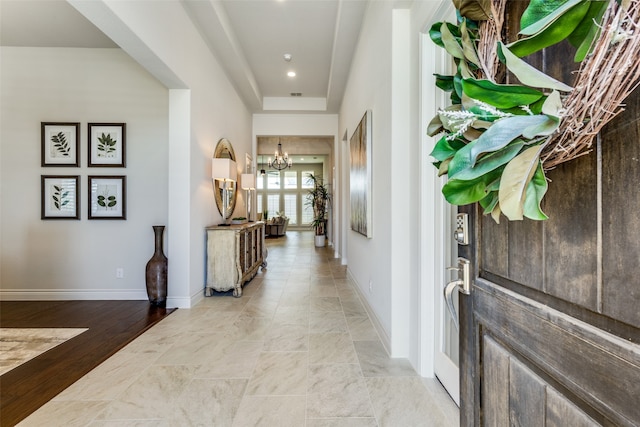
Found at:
[318, 198]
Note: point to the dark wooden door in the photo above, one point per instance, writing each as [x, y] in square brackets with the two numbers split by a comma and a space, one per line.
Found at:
[550, 334]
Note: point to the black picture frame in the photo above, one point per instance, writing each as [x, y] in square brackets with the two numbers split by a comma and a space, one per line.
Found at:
[60, 144]
[59, 197]
[107, 197]
[107, 145]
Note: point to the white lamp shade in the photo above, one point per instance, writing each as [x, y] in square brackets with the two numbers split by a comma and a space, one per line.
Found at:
[224, 169]
[248, 181]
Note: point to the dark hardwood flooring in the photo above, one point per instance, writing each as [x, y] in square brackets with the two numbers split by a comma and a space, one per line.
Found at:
[112, 325]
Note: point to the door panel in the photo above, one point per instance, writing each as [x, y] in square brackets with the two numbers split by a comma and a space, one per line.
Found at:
[550, 334]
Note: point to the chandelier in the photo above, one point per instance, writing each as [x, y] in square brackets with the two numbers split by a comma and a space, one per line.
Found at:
[281, 160]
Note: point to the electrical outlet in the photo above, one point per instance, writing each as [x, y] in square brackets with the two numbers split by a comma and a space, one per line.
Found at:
[119, 273]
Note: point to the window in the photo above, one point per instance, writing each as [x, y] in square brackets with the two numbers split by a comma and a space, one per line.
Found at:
[259, 184]
[291, 208]
[273, 180]
[307, 211]
[259, 203]
[273, 204]
[291, 180]
[306, 181]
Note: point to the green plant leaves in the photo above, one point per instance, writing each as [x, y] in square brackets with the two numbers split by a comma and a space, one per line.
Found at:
[500, 96]
[536, 189]
[498, 136]
[515, 179]
[553, 28]
[527, 74]
[477, 10]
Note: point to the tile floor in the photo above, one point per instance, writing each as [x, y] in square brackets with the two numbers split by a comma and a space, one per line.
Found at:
[297, 349]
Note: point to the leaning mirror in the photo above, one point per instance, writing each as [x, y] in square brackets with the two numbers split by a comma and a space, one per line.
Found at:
[224, 174]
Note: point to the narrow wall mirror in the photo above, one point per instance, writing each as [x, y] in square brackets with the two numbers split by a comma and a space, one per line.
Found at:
[224, 175]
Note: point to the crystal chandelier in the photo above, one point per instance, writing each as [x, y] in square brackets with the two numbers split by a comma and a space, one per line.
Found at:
[281, 160]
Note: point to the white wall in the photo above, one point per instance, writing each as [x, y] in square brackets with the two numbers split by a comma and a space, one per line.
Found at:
[369, 88]
[66, 259]
[385, 78]
[204, 108]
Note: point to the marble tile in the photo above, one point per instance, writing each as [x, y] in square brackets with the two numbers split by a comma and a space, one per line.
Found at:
[323, 290]
[324, 304]
[331, 348]
[404, 401]
[341, 422]
[197, 349]
[337, 390]
[279, 373]
[109, 379]
[78, 413]
[375, 361]
[362, 329]
[291, 315]
[297, 349]
[324, 322]
[353, 307]
[287, 338]
[151, 396]
[238, 361]
[207, 402]
[271, 411]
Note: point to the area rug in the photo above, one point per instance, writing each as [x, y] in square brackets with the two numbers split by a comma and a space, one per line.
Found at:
[19, 345]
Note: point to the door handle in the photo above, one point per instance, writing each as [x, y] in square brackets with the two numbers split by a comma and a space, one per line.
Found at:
[461, 284]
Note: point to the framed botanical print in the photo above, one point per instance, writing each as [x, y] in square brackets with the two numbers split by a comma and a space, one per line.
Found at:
[60, 144]
[59, 197]
[107, 143]
[107, 197]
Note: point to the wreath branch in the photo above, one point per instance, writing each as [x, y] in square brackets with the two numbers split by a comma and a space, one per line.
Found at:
[605, 80]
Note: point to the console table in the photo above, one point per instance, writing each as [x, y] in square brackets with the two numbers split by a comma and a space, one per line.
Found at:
[234, 255]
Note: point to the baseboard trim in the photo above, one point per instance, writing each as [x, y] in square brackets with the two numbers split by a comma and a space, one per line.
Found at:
[70, 294]
[384, 338]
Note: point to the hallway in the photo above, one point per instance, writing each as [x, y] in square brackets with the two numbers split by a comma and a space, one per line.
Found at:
[297, 349]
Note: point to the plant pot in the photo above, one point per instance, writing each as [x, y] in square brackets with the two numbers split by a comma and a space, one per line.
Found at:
[320, 241]
[156, 272]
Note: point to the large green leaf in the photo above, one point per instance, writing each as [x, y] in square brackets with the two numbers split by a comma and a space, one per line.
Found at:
[540, 9]
[496, 137]
[436, 35]
[549, 20]
[445, 149]
[552, 29]
[468, 47]
[500, 96]
[588, 30]
[444, 82]
[490, 162]
[450, 43]
[536, 189]
[527, 74]
[515, 178]
[435, 126]
[477, 10]
[459, 192]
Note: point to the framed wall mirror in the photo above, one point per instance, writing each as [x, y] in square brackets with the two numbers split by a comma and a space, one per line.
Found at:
[224, 175]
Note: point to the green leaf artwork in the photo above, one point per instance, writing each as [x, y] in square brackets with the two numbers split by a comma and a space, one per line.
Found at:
[60, 145]
[106, 199]
[60, 197]
[106, 145]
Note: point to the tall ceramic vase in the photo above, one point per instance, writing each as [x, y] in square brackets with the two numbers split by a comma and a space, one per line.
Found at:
[156, 276]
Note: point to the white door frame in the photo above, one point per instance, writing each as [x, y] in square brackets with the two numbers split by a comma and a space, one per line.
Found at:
[436, 213]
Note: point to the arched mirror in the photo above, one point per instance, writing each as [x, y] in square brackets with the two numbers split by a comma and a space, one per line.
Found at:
[224, 174]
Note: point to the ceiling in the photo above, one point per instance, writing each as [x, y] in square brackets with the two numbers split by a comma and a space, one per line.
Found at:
[249, 37]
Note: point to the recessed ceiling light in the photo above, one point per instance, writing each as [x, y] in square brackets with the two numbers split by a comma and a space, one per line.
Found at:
[291, 74]
[287, 57]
